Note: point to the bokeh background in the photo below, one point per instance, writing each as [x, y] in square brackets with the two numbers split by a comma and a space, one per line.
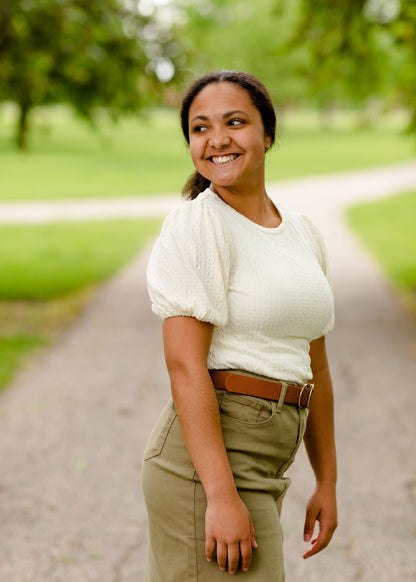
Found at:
[89, 91]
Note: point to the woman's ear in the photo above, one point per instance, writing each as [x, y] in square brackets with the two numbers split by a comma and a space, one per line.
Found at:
[267, 142]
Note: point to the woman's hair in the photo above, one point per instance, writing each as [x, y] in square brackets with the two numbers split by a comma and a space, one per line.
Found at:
[259, 96]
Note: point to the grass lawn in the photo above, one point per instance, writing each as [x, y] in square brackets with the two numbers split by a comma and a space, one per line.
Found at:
[148, 154]
[13, 350]
[49, 272]
[387, 228]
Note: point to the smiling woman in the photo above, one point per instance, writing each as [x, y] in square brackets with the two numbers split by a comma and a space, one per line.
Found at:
[242, 286]
[255, 103]
[227, 140]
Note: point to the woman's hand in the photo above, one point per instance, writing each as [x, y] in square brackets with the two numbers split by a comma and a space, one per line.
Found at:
[230, 531]
[322, 507]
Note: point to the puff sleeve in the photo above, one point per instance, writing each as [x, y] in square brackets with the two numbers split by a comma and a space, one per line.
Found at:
[188, 270]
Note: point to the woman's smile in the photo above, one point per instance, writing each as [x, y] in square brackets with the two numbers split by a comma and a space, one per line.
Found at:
[223, 160]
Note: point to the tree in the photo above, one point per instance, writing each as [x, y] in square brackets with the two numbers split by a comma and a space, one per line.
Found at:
[251, 36]
[89, 53]
[361, 48]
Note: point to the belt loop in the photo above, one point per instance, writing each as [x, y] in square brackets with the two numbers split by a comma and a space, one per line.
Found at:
[282, 396]
[220, 396]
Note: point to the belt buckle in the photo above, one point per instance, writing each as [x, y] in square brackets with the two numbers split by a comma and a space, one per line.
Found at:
[307, 385]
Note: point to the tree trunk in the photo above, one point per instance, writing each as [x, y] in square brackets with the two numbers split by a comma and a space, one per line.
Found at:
[23, 126]
[5, 24]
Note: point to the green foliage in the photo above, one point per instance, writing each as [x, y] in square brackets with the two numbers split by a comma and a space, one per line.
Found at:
[325, 53]
[114, 53]
[360, 49]
[250, 36]
[88, 53]
[51, 260]
[403, 30]
[388, 230]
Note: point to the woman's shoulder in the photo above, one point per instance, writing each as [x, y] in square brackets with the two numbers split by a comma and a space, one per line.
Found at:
[195, 217]
[310, 234]
[304, 225]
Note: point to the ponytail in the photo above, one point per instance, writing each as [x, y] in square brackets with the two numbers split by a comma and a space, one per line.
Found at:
[195, 184]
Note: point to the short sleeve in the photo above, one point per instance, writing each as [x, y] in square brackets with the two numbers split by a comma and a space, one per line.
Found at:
[188, 270]
[319, 246]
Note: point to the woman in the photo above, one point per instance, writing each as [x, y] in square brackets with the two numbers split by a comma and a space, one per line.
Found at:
[243, 291]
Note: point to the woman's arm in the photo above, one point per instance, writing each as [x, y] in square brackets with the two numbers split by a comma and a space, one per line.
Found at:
[320, 445]
[228, 524]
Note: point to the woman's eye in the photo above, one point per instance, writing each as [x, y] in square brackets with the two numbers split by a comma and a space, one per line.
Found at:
[234, 122]
[199, 128]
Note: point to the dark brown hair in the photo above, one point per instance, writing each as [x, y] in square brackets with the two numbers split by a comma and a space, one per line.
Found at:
[259, 96]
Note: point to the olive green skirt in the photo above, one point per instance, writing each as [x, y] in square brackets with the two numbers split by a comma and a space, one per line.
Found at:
[261, 438]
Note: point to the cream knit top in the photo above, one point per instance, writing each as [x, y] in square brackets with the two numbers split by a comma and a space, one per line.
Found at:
[266, 290]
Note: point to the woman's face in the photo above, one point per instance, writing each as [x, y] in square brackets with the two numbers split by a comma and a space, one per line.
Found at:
[226, 137]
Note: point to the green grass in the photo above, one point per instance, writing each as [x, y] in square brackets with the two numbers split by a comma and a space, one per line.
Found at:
[134, 156]
[387, 228]
[51, 260]
[48, 274]
[302, 152]
[148, 155]
[13, 351]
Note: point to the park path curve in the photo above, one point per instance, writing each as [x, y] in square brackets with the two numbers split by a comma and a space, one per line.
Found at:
[74, 422]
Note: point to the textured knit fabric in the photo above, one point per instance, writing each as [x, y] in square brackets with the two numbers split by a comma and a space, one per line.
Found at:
[266, 290]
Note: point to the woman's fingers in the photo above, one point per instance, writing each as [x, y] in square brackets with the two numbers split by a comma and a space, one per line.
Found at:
[230, 533]
[321, 508]
[233, 558]
[222, 555]
[228, 557]
[252, 535]
[326, 531]
[246, 552]
[210, 548]
[310, 519]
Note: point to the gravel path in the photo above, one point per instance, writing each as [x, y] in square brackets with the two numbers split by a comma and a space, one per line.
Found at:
[74, 423]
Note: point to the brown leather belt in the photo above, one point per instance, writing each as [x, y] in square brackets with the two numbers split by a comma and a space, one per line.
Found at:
[269, 389]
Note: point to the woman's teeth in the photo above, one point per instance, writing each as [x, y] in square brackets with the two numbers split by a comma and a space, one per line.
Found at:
[223, 159]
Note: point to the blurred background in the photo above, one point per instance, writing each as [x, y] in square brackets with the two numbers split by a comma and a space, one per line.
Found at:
[89, 91]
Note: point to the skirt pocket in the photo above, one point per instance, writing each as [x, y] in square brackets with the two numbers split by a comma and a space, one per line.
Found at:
[160, 432]
[247, 410]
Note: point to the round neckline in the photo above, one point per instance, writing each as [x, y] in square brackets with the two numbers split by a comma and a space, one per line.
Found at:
[248, 221]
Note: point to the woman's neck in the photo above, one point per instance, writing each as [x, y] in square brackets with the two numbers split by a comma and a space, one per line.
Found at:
[256, 206]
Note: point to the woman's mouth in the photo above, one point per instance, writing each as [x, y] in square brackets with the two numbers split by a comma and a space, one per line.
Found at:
[219, 160]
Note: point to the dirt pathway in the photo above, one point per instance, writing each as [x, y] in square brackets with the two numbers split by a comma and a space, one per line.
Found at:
[74, 424]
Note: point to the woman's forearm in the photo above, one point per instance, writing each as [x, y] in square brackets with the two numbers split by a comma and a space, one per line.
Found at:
[187, 344]
[197, 408]
[319, 437]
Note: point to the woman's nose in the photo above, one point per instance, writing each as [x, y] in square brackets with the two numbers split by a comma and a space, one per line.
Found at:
[219, 138]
